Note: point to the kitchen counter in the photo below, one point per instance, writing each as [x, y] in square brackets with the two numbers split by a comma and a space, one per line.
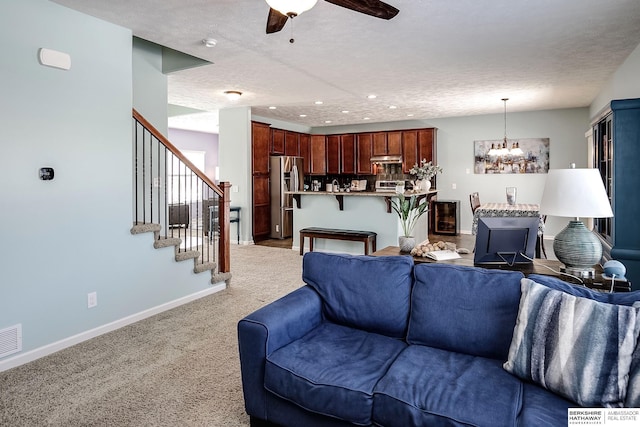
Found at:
[362, 210]
[340, 195]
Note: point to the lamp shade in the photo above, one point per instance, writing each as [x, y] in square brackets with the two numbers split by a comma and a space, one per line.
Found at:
[291, 7]
[577, 193]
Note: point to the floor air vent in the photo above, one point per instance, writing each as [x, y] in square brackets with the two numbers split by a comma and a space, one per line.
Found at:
[10, 340]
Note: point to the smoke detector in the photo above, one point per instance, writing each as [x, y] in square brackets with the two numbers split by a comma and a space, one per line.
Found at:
[209, 42]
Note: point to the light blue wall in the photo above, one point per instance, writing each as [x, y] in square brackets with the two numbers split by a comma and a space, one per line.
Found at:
[234, 149]
[149, 84]
[64, 238]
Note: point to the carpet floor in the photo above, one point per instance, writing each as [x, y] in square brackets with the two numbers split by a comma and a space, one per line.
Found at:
[177, 368]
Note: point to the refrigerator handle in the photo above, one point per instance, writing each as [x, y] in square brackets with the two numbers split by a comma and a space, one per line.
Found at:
[295, 184]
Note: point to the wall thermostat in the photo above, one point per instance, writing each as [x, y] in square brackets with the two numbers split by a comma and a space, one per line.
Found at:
[46, 174]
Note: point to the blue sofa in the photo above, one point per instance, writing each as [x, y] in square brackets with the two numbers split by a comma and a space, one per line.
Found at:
[377, 341]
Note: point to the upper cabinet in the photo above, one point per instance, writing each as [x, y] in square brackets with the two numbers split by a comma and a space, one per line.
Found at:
[292, 144]
[261, 138]
[364, 150]
[305, 152]
[277, 141]
[409, 149]
[348, 154]
[386, 143]
[333, 154]
[318, 155]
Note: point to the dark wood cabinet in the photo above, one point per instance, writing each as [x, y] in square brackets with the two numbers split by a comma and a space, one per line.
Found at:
[348, 154]
[261, 142]
[333, 154]
[277, 141]
[364, 151]
[318, 155]
[409, 149]
[291, 144]
[380, 144]
[305, 152]
[616, 139]
[426, 144]
[394, 142]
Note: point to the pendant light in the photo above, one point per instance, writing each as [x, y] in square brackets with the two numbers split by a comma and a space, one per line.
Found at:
[291, 8]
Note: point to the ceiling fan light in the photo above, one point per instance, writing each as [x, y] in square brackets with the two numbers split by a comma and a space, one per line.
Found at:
[291, 7]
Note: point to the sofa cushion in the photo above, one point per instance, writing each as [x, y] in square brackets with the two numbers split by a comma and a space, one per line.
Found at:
[427, 386]
[464, 309]
[574, 346]
[332, 371]
[364, 292]
[540, 407]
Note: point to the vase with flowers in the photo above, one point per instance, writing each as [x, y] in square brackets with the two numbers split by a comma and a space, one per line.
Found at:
[423, 174]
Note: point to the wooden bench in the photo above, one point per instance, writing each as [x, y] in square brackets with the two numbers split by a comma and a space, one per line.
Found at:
[366, 237]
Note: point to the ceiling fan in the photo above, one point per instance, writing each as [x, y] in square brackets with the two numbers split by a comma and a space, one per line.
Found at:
[283, 10]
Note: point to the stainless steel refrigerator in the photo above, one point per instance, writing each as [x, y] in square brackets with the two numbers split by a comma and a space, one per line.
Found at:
[286, 175]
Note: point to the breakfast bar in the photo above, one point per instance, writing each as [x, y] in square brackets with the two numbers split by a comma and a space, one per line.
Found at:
[362, 210]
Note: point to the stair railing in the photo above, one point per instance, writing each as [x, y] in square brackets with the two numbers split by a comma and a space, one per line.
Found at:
[171, 191]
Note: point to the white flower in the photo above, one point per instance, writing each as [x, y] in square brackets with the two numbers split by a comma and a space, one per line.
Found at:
[426, 170]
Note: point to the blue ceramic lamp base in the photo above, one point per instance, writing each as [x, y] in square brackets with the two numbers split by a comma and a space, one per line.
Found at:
[578, 249]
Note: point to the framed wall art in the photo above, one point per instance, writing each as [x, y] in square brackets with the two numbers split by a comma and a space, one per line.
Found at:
[525, 155]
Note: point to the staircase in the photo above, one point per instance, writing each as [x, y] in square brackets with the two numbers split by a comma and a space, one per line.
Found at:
[179, 204]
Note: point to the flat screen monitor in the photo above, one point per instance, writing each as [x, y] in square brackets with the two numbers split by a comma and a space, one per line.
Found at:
[504, 240]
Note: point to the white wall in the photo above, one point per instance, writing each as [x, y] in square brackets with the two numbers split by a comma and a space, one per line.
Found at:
[623, 84]
[64, 238]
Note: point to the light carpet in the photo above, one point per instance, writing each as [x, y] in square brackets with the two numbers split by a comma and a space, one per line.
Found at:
[177, 368]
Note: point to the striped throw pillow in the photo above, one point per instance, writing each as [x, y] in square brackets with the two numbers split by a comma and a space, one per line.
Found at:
[576, 347]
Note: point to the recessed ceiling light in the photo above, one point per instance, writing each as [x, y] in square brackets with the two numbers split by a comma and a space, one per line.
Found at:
[318, 102]
[366, 118]
[410, 115]
[392, 107]
[345, 111]
[272, 108]
[232, 95]
[372, 96]
[327, 121]
[303, 115]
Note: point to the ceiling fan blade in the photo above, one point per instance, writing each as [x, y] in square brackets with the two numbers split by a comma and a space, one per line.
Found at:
[370, 7]
[275, 21]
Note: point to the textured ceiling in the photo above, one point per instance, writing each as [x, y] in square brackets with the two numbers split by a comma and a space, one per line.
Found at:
[437, 58]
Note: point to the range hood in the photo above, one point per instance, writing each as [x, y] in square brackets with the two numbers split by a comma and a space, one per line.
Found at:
[387, 159]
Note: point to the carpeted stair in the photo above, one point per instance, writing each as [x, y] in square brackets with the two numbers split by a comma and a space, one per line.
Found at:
[165, 242]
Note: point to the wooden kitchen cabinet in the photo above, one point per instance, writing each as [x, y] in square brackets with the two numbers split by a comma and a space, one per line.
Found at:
[348, 154]
[305, 152]
[379, 143]
[277, 142]
[291, 144]
[394, 142]
[261, 137]
[333, 154]
[260, 141]
[427, 144]
[318, 155]
[364, 151]
[409, 149]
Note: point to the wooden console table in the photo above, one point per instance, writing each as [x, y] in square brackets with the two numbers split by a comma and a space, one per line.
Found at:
[541, 266]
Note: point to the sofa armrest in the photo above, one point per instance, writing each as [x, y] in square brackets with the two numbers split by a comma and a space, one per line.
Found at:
[268, 329]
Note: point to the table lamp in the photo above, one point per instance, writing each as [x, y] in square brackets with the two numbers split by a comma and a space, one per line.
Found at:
[576, 193]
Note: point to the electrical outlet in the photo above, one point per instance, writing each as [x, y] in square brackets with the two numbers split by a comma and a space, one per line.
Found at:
[234, 189]
[92, 299]
[277, 228]
[454, 186]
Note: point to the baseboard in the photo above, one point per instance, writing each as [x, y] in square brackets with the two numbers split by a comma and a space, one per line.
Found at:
[37, 353]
